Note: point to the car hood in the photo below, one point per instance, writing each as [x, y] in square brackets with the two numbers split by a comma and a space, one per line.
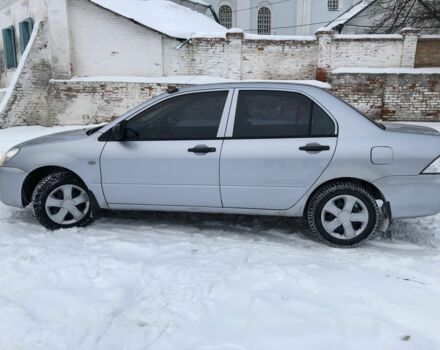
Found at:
[410, 128]
[71, 135]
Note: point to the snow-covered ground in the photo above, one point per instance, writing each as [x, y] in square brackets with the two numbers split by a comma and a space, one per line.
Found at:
[212, 282]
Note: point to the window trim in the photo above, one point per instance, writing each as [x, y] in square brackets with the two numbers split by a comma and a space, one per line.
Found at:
[233, 113]
[107, 136]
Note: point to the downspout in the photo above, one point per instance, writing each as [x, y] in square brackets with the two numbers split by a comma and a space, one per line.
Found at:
[214, 14]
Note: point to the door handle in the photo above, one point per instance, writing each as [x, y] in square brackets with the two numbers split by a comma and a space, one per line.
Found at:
[314, 148]
[202, 149]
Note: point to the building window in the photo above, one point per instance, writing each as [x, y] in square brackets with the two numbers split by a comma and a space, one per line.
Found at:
[225, 16]
[264, 21]
[25, 32]
[9, 47]
[333, 5]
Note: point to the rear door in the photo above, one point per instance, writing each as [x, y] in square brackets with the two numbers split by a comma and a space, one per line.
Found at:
[171, 153]
[276, 147]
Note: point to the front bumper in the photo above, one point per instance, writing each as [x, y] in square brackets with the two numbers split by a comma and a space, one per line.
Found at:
[11, 183]
[411, 196]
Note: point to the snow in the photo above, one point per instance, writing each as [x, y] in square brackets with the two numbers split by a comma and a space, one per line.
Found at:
[251, 36]
[191, 281]
[164, 16]
[349, 14]
[430, 36]
[185, 79]
[368, 36]
[435, 70]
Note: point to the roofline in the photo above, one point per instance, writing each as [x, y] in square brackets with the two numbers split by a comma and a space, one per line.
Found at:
[349, 19]
[244, 84]
[135, 22]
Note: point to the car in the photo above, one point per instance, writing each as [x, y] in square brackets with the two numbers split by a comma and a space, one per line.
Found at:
[278, 149]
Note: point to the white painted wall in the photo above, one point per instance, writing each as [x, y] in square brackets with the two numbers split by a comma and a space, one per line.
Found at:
[103, 43]
[351, 52]
[295, 17]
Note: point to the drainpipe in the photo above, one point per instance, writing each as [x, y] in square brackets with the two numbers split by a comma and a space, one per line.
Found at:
[214, 14]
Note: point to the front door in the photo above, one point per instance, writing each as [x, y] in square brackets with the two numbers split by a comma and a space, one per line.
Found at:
[171, 154]
[276, 148]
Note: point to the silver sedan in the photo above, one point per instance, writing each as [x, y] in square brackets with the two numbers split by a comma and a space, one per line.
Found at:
[243, 148]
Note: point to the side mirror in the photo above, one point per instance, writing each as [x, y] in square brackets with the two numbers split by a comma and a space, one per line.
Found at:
[119, 131]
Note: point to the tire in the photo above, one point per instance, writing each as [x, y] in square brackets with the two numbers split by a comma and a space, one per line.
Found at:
[343, 214]
[53, 206]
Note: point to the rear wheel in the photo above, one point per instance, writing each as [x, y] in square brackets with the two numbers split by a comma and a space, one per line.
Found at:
[343, 214]
[61, 200]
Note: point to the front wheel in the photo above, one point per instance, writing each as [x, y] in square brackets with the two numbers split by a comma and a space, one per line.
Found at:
[343, 214]
[61, 200]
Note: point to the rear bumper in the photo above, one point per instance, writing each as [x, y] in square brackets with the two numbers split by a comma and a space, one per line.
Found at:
[411, 196]
[11, 183]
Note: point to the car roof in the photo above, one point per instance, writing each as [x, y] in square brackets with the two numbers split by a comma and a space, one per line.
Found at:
[255, 84]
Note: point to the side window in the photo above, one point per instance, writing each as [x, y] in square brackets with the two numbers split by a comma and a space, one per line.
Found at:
[271, 114]
[322, 124]
[25, 32]
[276, 114]
[186, 117]
[9, 47]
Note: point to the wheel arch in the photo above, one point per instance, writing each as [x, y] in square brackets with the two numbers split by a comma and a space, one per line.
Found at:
[377, 194]
[35, 176]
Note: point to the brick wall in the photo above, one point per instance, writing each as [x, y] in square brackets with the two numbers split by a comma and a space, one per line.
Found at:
[349, 51]
[428, 51]
[82, 102]
[384, 96]
[28, 103]
[391, 96]
[239, 56]
[279, 59]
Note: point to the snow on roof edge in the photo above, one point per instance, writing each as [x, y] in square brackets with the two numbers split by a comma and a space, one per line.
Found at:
[163, 16]
[349, 14]
[185, 79]
[397, 70]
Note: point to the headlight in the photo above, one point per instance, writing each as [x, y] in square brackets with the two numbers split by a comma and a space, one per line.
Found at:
[433, 168]
[4, 157]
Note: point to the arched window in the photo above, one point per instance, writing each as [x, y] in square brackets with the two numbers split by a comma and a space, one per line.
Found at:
[225, 16]
[333, 5]
[264, 21]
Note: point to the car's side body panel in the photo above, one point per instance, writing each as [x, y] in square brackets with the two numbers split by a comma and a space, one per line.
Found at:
[72, 150]
[270, 173]
[412, 151]
[161, 173]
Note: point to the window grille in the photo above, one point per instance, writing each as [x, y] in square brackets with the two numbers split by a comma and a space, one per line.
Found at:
[225, 16]
[264, 21]
[333, 5]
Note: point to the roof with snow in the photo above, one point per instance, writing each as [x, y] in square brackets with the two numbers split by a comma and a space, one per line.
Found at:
[164, 16]
[349, 14]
